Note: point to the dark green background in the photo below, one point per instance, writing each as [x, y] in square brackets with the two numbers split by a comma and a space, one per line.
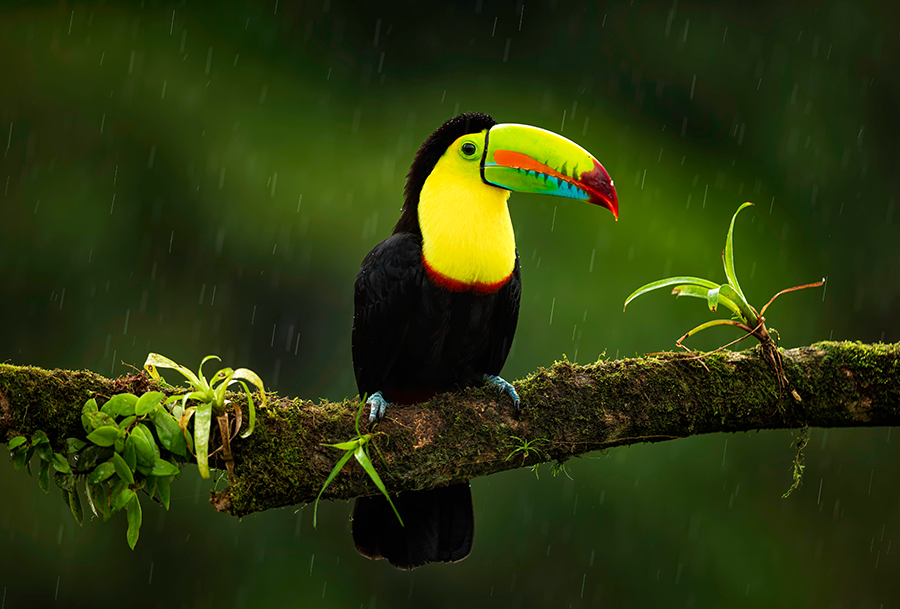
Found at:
[193, 179]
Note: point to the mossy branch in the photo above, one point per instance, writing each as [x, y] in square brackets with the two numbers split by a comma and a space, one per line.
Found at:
[456, 437]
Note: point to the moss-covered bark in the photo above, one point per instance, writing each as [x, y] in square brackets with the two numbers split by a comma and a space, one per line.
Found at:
[455, 437]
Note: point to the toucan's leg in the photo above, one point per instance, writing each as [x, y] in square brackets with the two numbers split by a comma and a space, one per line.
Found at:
[503, 387]
[377, 405]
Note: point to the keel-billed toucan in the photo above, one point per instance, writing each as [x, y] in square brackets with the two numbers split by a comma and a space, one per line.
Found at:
[436, 303]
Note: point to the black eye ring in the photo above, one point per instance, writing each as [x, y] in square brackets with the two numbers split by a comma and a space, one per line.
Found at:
[468, 149]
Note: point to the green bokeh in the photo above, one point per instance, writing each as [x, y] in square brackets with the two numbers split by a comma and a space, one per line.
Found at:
[206, 179]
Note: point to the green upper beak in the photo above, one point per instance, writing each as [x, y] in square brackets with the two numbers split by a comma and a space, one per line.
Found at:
[529, 159]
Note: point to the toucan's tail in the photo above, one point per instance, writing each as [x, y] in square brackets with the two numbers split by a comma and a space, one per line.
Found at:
[440, 526]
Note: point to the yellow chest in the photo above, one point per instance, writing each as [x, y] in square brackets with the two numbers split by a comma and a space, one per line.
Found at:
[467, 234]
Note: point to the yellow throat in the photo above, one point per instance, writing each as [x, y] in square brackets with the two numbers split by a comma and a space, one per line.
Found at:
[467, 234]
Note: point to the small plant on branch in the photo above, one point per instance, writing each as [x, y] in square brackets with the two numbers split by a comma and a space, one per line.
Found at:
[208, 400]
[729, 294]
[357, 447]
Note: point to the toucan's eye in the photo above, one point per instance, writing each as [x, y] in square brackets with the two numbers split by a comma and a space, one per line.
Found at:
[468, 149]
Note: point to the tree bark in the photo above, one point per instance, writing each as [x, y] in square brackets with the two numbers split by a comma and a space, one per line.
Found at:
[567, 410]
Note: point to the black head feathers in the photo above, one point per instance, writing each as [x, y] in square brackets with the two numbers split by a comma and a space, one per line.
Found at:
[431, 151]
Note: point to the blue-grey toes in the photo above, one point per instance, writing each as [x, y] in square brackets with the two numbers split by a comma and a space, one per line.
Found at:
[503, 387]
[377, 405]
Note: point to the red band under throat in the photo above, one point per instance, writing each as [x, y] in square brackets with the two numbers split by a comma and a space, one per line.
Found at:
[478, 288]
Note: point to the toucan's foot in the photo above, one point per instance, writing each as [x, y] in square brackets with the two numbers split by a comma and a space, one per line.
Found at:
[377, 405]
[503, 387]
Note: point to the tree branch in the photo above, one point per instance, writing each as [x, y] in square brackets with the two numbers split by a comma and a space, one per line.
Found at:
[455, 437]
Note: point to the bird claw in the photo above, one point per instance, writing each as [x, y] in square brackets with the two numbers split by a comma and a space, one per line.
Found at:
[377, 405]
[504, 387]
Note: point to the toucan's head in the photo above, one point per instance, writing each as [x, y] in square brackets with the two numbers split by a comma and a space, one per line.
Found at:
[514, 157]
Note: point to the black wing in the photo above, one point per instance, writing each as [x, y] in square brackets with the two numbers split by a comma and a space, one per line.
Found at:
[503, 323]
[388, 287]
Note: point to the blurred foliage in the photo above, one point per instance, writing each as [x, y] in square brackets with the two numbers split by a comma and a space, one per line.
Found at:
[195, 179]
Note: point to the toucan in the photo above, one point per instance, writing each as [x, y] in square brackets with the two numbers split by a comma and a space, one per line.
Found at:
[436, 303]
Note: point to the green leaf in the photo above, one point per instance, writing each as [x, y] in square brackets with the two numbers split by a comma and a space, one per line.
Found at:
[698, 292]
[663, 283]
[203, 361]
[104, 436]
[96, 420]
[747, 313]
[710, 324]
[17, 442]
[245, 374]
[141, 439]
[712, 298]
[73, 445]
[89, 490]
[91, 456]
[134, 520]
[334, 472]
[20, 457]
[363, 459]
[728, 254]
[60, 464]
[164, 492]
[148, 402]
[44, 476]
[122, 468]
[64, 481]
[44, 451]
[125, 423]
[164, 468]
[38, 438]
[121, 405]
[152, 481]
[89, 406]
[348, 445]
[121, 495]
[75, 506]
[155, 359]
[101, 472]
[130, 454]
[119, 444]
[202, 420]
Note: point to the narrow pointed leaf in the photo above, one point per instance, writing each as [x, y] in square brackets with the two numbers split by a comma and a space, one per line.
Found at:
[122, 469]
[728, 255]
[75, 506]
[155, 359]
[698, 292]
[203, 361]
[663, 283]
[366, 463]
[710, 324]
[334, 472]
[747, 312]
[202, 421]
[251, 410]
[135, 517]
[89, 495]
[165, 494]
[130, 454]
[44, 476]
[348, 445]
[712, 298]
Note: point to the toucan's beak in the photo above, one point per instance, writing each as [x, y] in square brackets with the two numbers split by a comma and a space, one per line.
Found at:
[529, 159]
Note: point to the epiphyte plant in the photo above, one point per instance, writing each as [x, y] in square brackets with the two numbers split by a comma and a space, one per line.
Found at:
[209, 400]
[729, 294]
